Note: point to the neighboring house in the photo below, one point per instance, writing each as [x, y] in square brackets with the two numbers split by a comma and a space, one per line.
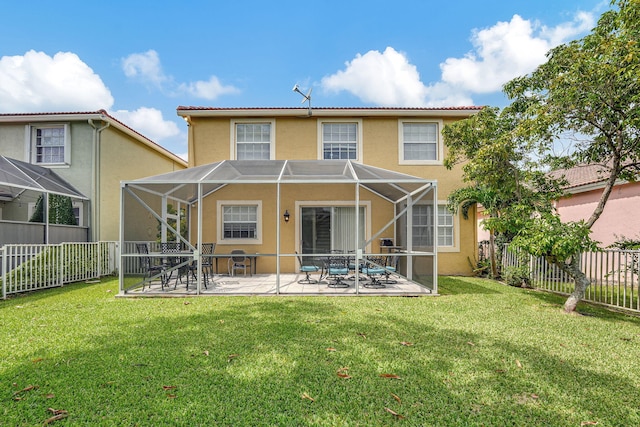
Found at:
[93, 152]
[403, 140]
[620, 216]
[585, 184]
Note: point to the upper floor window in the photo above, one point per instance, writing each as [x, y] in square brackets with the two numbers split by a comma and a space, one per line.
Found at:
[420, 142]
[253, 140]
[340, 140]
[49, 145]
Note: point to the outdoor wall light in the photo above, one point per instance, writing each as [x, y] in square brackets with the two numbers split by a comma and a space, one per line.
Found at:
[286, 215]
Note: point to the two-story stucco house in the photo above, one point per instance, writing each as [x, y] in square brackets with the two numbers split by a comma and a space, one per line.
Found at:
[403, 140]
[93, 152]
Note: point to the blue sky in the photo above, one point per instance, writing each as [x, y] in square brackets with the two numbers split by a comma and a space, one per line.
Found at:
[140, 60]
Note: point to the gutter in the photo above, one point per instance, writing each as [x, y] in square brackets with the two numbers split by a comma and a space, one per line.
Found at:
[189, 112]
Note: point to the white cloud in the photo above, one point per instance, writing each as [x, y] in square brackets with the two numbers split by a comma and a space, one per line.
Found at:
[149, 122]
[37, 82]
[582, 23]
[500, 53]
[508, 50]
[386, 79]
[146, 67]
[210, 90]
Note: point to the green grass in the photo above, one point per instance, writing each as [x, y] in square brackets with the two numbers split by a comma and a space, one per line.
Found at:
[481, 354]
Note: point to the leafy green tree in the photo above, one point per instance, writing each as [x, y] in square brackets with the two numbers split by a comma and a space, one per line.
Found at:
[60, 210]
[588, 90]
[171, 236]
[501, 171]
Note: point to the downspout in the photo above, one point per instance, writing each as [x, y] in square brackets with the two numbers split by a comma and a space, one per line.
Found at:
[191, 146]
[94, 220]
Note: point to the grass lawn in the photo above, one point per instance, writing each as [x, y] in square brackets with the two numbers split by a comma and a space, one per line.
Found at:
[480, 354]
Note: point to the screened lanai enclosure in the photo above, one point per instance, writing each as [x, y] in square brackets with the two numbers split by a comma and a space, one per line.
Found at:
[23, 187]
[330, 227]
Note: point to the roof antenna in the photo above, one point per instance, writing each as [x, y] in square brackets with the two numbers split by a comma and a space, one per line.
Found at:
[306, 97]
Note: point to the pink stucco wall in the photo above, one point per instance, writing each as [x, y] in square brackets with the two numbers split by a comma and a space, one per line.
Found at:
[621, 216]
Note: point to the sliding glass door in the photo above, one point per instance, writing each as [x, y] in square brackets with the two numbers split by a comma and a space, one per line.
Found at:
[331, 228]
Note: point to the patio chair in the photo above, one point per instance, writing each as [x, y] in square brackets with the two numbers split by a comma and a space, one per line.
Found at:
[151, 270]
[390, 267]
[207, 261]
[207, 264]
[374, 269]
[337, 269]
[238, 261]
[175, 262]
[307, 266]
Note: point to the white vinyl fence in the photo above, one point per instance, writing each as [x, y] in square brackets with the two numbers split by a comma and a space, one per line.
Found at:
[25, 268]
[614, 275]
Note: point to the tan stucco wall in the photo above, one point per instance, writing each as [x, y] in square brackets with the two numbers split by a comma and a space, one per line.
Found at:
[379, 212]
[297, 138]
[124, 158]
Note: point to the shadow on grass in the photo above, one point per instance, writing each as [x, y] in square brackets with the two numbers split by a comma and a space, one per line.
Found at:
[452, 285]
[585, 308]
[250, 361]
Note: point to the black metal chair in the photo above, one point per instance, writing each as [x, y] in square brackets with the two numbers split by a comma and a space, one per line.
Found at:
[207, 263]
[175, 262]
[307, 267]
[374, 269]
[152, 270]
[390, 267]
[337, 268]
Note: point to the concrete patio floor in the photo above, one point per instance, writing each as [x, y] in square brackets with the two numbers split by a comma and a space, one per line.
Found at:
[265, 285]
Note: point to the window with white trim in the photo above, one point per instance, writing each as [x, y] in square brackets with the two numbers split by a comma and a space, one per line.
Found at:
[78, 212]
[253, 141]
[49, 145]
[420, 142]
[340, 140]
[240, 222]
[445, 226]
[423, 226]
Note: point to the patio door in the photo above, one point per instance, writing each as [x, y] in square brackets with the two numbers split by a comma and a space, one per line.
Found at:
[330, 228]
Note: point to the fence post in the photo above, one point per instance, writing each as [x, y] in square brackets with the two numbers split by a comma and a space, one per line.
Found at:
[3, 266]
[61, 268]
[99, 249]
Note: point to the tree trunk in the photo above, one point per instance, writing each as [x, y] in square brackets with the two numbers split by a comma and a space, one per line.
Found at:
[492, 255]
[580, 280]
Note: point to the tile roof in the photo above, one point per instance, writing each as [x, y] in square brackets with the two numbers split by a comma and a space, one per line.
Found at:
[463, 108]
[580, 175]
[99, 114]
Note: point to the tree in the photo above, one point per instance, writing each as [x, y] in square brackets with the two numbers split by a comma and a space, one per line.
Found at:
[172, 214]
[60, 210]
[502, 173]
[589, 89]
